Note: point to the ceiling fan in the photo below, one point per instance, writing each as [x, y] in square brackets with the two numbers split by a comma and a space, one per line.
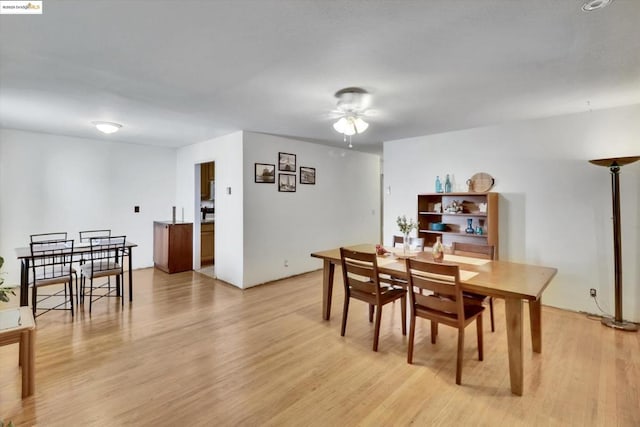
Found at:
[353, 104]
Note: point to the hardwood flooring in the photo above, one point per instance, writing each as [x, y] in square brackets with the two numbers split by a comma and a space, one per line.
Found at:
[193, 351]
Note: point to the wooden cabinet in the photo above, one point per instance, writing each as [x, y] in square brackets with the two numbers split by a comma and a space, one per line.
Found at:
[479, 208]
[207, 239]
[172, 246]
[207, 174]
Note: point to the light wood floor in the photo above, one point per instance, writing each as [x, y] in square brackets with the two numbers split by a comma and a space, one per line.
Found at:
[193, 351]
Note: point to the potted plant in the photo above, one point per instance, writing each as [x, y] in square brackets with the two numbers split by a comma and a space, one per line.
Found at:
[4, 291]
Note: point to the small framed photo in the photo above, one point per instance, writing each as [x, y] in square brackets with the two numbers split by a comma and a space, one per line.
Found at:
[286, 162]
[307, 175]
[287, 182]
[265, 173]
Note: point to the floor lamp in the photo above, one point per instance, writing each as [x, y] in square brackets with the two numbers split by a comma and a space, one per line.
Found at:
[614, 165]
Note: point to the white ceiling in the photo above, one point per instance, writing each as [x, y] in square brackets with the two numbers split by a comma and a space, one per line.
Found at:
[179, 72]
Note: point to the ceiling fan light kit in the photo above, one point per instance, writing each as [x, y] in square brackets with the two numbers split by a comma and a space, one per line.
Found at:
[352, 102]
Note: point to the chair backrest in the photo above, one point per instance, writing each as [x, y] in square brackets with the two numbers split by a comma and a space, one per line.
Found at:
[106, 253]
[49, 237]
[360, 271]
[51, 259]
[86, 235]
[473, 250]
[416, 243]
[443, 282]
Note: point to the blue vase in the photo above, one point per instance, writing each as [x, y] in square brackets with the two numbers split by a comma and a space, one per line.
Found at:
[438, 185]
[469, 229]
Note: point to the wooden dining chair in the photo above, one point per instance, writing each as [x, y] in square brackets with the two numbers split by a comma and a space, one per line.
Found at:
[416, 243]
[442, 303]
[105, 260]
[477, 251]
[363, 282]
[51, 265]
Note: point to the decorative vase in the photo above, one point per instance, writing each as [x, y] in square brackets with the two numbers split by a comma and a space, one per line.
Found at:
[438, 250]
[405, 244]
[469, 229]
[438, 185]
[479, 230]
[447, 185]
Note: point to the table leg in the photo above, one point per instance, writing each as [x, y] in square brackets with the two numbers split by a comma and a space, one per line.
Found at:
[27, 359]
[24, 282]
[327, 288]
[513, 311]
[535, 316]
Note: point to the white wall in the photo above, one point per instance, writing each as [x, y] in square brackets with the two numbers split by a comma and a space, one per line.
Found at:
[55, 183]
[342, 208]
[555, 207]
[226, 151]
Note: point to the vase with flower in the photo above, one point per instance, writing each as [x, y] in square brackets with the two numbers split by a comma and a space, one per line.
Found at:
[406, 225]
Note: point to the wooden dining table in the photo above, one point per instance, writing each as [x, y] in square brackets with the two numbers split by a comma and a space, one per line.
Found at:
[79, 251]
[511, 281]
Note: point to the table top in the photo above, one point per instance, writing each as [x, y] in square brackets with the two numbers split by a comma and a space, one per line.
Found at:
[501, 279]
[15, 320]
[78, 248]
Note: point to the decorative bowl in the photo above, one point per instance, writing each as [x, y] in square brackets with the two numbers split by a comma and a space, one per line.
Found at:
[438, 226]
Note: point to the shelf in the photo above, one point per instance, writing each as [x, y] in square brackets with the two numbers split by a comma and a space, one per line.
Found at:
[473, 214]
[453, 233]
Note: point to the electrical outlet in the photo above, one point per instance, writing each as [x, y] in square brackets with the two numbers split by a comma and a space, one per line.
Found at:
[592, 292]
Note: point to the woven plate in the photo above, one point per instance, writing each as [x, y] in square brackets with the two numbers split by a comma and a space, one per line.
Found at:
[481, 182]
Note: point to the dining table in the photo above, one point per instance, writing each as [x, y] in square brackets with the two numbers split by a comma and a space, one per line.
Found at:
[80, 251]
[512, 281]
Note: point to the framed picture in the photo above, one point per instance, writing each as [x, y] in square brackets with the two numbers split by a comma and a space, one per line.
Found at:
[307, 175]
[265, 173]
[287, 182]
[286, 162]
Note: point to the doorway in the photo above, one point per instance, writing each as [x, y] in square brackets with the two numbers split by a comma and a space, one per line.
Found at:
[207, 218]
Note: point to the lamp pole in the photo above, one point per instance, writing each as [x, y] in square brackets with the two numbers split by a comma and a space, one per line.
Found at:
[614, 165]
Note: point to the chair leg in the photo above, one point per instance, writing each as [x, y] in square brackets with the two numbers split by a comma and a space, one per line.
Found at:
[493, 326]
[345, 312]
[460, 354]
[480, 340]
[376, 335]
[403, 308]
[412, 333]
[34, 297]
[434, 331]
[371, 313]
[71, 294]
[90, 293]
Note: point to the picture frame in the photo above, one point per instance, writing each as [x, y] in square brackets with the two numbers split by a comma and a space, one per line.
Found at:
[307, 175]
[287, 182]
[265, 173]
[286, 162]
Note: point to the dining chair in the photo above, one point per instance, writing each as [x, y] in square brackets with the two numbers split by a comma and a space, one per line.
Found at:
[477, 251]
[363, 282]
[48, 237]
[51, 265]
[105, 260]
[442, 303]
[85, 240]
[86, 235]
[416, 243]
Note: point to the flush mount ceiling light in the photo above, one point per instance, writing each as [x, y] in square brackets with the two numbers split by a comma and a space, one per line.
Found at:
[352, 104]
[107, 127]
[591, 5]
